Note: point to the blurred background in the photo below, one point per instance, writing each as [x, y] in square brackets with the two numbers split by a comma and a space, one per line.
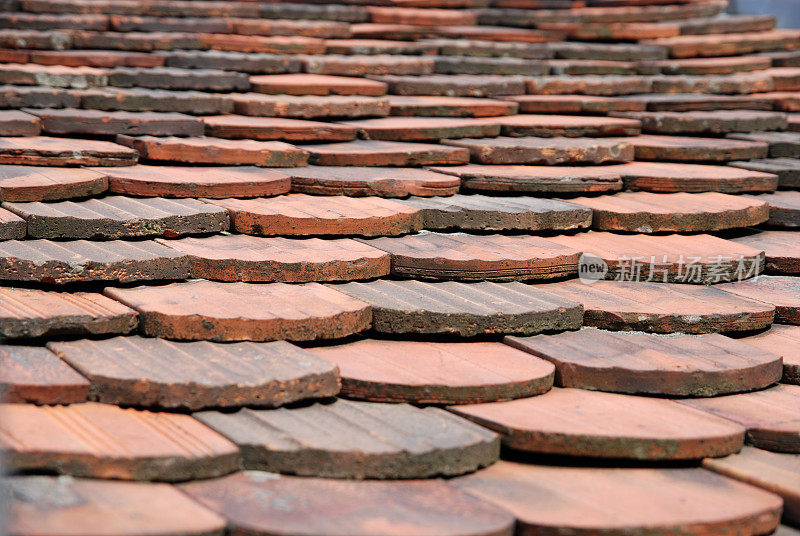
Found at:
[787, 11]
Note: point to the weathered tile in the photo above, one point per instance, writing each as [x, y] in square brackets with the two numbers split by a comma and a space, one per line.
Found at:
[178, 79]
[19, 123]
[455, 85]
[787, 169]
[646, 212]
[214, 182]
[639, 363]
[378, 46]
[727, 24]
[711, 66]
[670, 177]
[546, 498]
[606, 86]
[383, 153]
[781, 144]
[120, 217]
[692, 149]
[104, 441]
[449, 107]
[663, 307]
[715, 84]
[344, 65]
[360, 440]
[535, 179]
[31, 74]
[216, 151]
[467, 257]
[63, 506]
[30, 374]
[781, 291]
[143, 372]
[436, 372]
[207, 310]
[45, 151]
[275, 128]
[37, 97]
[306, 28]
[96, 58]
[265, 503]
[699, 102]
[154, 100]
[309, 106]
[613, 31]
[256, 62]
[45, 22]
[547, 151]
[785, 341]
[578, 422]
[421, 17]
[480, 47]
[104, 123]
[565, 125]
[776, 473]
[47, 261]
[771, 416]
[134, 41]
[288, 260]
[37, 313]
[782, 249]
[598, 67]
[607, 51]
[474, 65]
[273, 44]
[335, 12]
[708, 122]
[464, 309]
[689, 46]
[423, 128]
[304, 215]
[11, 226]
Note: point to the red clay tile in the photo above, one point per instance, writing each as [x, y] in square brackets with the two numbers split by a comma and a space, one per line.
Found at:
[787, 169]
[257, 43]
[499, 33]
[377, 46]
[779, 290]
[473, 65]
[663, 307]
[382, 153]
[96, 58]
[306, 28]
[256, 63]
[422, 17]
[782, 340]
[605, 86]
[270, 504]
[698, 259]
[689, 46]
[390, 64]
[37, 313]
[44, 151]
[483, 48]
[776, 473]
[781, 248]
[255, 258]
[711, 66]
[547, 151]
[565, 125]
[11, 226]
[682, 365]
[552, 499]
[711, 122]
[37, 97]
[401, 442]
[206, 310]
[46, 261]
[477, 257]
[719, 84]
[316, 84]
[136, 371]
[727, 24]
[457, 85]
[771, 416]
[577, 422]
[103, 123]
[45, 22]
[464, 309]
[423, 128]
[699, 102]
[29, 374]
[304, 215]
[449, 373]
[120, 217]
[309, 106]
[135, 41]
[64, 506]
[482, 213]
[589, 67]
[613, 31]
[401, 32]
[178, 79]
[781, 144]
[786, 101]
[691, 149]
[104, 441]
[535, 179]
[36, 39]
[18, 123]
[216, 151]
[275, 128]
[646, 212]
[449, 107]
[214, 182]
[673, 177]
[31, 74]
[154, 100]
[336, 177]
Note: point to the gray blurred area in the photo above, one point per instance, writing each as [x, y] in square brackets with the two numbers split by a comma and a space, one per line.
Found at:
[787, 11]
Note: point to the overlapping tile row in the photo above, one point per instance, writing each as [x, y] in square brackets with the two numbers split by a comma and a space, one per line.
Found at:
[278, 267]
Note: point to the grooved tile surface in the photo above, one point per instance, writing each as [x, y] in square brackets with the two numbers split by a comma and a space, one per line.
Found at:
[784, 208]
[638, 363]
[104, 441]
[357, 181]
[29, 183]
[345, 439]
[578, 422]
[780, 291]
[34, 375]
[782, 250]
[206, 310]
[535, 179]
[143, 372]
[464, 309]
[714, 122]
[436, 372]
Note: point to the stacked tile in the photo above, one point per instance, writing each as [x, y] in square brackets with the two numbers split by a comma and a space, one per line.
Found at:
[277, 267]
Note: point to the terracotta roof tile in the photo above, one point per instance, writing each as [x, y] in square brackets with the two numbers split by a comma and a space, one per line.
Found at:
[728, 44]
[316, 84]
[11, 225]
[383, 153]
[706, 66]
[781, 248]
[389, 64]
[669, 177]
[722, 84]
[699, 102]
[638, 363]
[449, 107]
[424, 128]
[136, 371]
[456, 85]
[96, 122]
[473, 65]
[781, 144]
[275, 128]
[178, 79]
[464, 309]
[781, 291]
[565, 125]
[37, 97]
[787, 169]
[206, 310]
[711, 122]
[34, 375]
[254, 62]
[44, 151]
[96, 58]
[692, 149]
[606, 86]
[577, 422]
[783, 340]
[546, 151]
[153, 100]
[331, 440]
[378, 46]
[309, 106]
[18, 123]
